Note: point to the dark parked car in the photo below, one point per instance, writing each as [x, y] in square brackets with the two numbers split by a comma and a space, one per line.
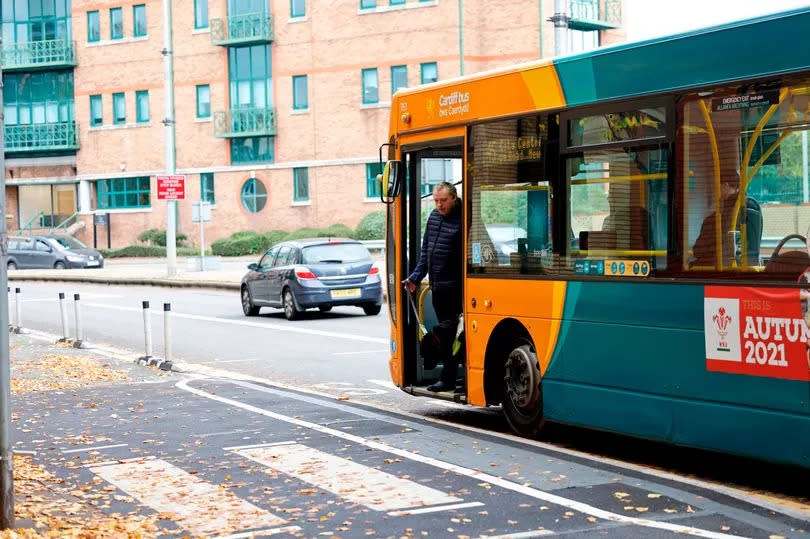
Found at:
[313, 273]
[51, 252]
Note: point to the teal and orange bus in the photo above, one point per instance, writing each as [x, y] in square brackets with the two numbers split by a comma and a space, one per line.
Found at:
[635, 230]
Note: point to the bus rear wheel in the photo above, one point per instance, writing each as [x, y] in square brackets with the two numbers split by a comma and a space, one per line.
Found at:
[522, 394]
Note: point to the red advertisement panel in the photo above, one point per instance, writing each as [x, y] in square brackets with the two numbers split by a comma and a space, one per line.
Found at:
[757, 331]
[171, 187]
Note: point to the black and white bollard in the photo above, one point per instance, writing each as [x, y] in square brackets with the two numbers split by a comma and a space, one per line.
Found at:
[63, 312]
[18, 328]
[79, 342]
[147, 335]
[167, 337]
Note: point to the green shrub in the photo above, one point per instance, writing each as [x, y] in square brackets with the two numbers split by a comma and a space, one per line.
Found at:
[155, 236]
[240, 243]
[371, 227]
[338, 230]
[301, 233]
[274, 236]
[147, 251]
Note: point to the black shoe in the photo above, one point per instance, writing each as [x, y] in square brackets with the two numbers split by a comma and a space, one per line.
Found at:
[441, 385]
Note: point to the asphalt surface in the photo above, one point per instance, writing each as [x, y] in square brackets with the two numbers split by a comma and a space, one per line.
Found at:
[223, 457]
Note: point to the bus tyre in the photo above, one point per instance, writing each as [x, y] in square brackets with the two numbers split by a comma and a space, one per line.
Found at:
[522, 395]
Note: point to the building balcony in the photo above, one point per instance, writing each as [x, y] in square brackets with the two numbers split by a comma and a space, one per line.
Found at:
[48, 54]
[54, 137]
[589, 15]
[246, 29]
[245, 123]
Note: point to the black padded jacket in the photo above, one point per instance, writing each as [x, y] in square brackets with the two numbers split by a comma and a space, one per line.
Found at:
[441, 256]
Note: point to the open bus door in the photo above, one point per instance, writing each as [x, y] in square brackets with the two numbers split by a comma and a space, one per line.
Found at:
[425, 165]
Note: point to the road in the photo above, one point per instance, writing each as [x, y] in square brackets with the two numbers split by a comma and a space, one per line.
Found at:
[217, 457]
[344, 354]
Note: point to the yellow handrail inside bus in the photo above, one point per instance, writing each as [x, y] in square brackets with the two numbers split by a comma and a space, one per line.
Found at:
[718, 218]
[630, 178]
[421, 302]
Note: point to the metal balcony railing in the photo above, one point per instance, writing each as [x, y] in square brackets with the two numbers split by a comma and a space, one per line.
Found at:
[587, 15]
[61, 136]
[242, 29]
[39, 54]
[245, 123]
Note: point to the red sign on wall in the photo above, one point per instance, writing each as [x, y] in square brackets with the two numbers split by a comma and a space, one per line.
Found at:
[757, 331]
[171, 187]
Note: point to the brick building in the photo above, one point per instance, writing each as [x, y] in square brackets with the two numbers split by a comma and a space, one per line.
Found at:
[280, 105]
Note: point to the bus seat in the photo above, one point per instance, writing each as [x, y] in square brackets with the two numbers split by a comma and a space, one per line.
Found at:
[753, 229]
[425, 306]
[791, 262]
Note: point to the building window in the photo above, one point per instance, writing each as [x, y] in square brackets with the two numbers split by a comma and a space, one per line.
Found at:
[142, 105]
[370, 86]
[93, 27]
[300, 92]
[38, 98]
[249, 73]
[25, 21]
[245, 150]
[207, 187]
[300, 184]
[200, 14]
[119, 193]
[368, 4]
[430, 72]
[373, 189]
[119, 109]
[298, 8]
[396, 2]
[203, 101]
[116, 23]
[399, 78]
[254, 195]
[96, 115]
[139, 20]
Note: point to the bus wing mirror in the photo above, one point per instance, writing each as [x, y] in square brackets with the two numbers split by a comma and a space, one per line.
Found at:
[390, 181]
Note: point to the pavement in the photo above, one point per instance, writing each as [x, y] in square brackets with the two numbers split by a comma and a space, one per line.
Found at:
[146, 271]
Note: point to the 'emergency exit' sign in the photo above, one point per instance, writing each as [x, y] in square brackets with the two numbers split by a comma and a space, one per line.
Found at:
[171, 187]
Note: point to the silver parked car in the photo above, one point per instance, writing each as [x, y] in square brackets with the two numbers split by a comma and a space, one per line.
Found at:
[313, 273]
[51, 252]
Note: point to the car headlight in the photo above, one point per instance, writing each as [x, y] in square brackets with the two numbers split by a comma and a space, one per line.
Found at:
[74, 258]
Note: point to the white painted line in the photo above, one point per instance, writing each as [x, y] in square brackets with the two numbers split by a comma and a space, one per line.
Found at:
[474, 474]
[253, 446]
[521, 535]
[421, 510]
[190, 500]
[358, 483]
[276, 327]
[217, 361]
[384, 383]
[96, 448]
[117, 461]
[225, 433]
[360, 352]
[261, 533]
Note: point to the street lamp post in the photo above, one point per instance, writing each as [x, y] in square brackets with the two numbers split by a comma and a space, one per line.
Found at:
[168, 122]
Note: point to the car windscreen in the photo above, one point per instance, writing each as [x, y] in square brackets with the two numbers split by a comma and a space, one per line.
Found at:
[69, 243]
[334, 253]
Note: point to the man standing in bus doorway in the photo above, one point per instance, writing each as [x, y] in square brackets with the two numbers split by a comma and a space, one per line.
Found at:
[441, 260]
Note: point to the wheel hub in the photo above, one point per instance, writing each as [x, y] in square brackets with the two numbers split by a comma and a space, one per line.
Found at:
[522, 385]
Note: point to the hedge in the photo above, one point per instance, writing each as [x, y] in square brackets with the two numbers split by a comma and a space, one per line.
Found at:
[147, 250]
[371, 227]
[155, 236]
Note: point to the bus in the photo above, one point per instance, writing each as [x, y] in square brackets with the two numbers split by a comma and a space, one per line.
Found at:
[635, 237]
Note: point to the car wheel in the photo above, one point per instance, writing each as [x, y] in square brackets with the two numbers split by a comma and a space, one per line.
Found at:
[12, 265]
[291, 312]
[59, 265]
[522, 393]
[247, 303]
[372, 310]
[325, 308]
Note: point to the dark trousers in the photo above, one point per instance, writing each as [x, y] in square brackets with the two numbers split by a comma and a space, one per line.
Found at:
[447, 302]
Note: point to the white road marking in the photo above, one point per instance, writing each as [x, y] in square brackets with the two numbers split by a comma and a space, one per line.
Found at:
[190, 500]
[358, 483]
[253, 446]
[96, 448]
[358, 352]
[225, 433]
[384, 383]
[520, 535]
[217, 361]
[454, 468]
[261, 533]
[346, 388]
[276, 327]
[436, 509]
